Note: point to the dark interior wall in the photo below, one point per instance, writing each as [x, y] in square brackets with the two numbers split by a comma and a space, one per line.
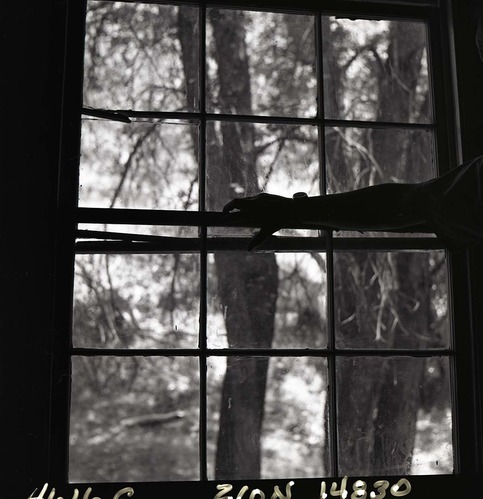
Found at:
[470, 75]
[33, 45]
[469, 69]
[32, 60]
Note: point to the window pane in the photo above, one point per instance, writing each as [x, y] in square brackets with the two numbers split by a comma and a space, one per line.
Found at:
[134, 419]
[267, 301]
[245, 159]
[287, 428]
[133, 57]
[275, 75]
[136, 301]
[360, 157]
[376, 70]
[391, 300]
[394, 416]
[138, 165]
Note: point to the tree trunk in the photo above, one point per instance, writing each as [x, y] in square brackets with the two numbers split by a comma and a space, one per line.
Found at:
[378, 410]
[393, 449]
[398, 411]
[247, 284]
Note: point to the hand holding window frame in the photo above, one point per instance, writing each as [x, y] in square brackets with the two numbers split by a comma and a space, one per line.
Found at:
[450, 206]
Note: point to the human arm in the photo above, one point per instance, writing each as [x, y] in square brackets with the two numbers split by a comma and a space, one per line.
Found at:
[376, 208]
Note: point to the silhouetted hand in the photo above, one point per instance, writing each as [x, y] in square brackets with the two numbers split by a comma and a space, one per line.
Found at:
[267, 211]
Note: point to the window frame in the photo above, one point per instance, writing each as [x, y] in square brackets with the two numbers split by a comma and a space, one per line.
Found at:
[465, 422]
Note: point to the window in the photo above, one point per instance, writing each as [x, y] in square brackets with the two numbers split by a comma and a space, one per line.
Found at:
[327, 354]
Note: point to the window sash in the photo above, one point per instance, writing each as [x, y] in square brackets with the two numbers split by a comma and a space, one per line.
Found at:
[204, 219]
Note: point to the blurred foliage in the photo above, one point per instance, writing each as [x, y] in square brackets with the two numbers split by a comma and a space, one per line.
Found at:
[136, 301]
[128, 414]
[133, 57]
